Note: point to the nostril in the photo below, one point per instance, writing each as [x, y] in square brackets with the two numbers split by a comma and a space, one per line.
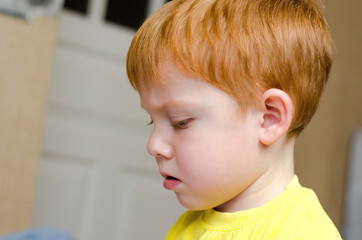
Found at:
[160, 150]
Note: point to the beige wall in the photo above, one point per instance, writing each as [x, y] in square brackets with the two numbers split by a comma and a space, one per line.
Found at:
[322, 150]
[25, 63]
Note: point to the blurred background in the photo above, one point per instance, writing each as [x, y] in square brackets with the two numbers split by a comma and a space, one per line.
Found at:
[73, 136]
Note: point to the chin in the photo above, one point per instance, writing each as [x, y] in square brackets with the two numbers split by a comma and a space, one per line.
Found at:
[193, 204]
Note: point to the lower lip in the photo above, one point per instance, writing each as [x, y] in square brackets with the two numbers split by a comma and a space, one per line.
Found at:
[170, 184]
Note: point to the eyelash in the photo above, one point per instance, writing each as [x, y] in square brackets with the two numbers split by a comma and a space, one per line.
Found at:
[182, 124]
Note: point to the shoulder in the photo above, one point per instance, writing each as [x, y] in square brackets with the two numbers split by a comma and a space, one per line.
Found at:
[319, 219]
[304, 216]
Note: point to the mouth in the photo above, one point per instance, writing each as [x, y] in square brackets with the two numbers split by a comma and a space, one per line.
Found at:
[170, 182]
[172, 178]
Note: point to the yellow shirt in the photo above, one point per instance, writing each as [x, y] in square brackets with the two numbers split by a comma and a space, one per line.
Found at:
[294, 214]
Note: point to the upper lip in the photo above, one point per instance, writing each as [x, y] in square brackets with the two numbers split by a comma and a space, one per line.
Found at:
[163, 174]
[166, 175]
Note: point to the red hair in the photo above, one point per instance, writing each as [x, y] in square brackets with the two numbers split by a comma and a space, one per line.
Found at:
[242, 47]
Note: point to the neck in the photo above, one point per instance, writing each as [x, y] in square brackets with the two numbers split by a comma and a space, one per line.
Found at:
[269, 184]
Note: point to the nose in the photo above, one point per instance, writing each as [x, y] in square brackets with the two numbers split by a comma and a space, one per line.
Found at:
[159, 145]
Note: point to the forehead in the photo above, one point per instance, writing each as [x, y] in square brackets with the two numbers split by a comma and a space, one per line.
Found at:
[180, 90]
[172, 89]
[168, 80]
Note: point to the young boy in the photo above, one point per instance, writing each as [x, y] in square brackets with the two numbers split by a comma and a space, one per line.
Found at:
[229, 85]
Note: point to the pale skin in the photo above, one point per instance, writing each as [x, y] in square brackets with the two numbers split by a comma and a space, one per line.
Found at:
[221, 157]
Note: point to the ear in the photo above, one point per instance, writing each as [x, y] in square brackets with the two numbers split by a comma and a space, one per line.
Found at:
[277, 115]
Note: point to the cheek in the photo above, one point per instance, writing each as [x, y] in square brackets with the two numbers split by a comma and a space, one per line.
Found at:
[218, 135]
[216, 152]
[196, 162]
[207, 158]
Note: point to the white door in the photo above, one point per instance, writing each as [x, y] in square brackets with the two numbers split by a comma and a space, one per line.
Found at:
[95, 178]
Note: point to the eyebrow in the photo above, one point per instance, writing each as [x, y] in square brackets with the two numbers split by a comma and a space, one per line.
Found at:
[171, 103]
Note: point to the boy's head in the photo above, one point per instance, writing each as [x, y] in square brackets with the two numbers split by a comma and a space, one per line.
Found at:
[198, 63]
[243, 47]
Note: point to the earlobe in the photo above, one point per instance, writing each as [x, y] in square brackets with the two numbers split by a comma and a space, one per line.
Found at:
[277, 115]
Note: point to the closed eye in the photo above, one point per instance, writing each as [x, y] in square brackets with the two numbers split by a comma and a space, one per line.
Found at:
[182, 124]
[150, 123]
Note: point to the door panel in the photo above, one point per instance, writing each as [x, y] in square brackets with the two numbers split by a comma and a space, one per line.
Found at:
[65, 184]
[95, 178]
[94, 84]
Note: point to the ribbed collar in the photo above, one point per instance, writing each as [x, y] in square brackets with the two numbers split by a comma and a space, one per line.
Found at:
[213, 219]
